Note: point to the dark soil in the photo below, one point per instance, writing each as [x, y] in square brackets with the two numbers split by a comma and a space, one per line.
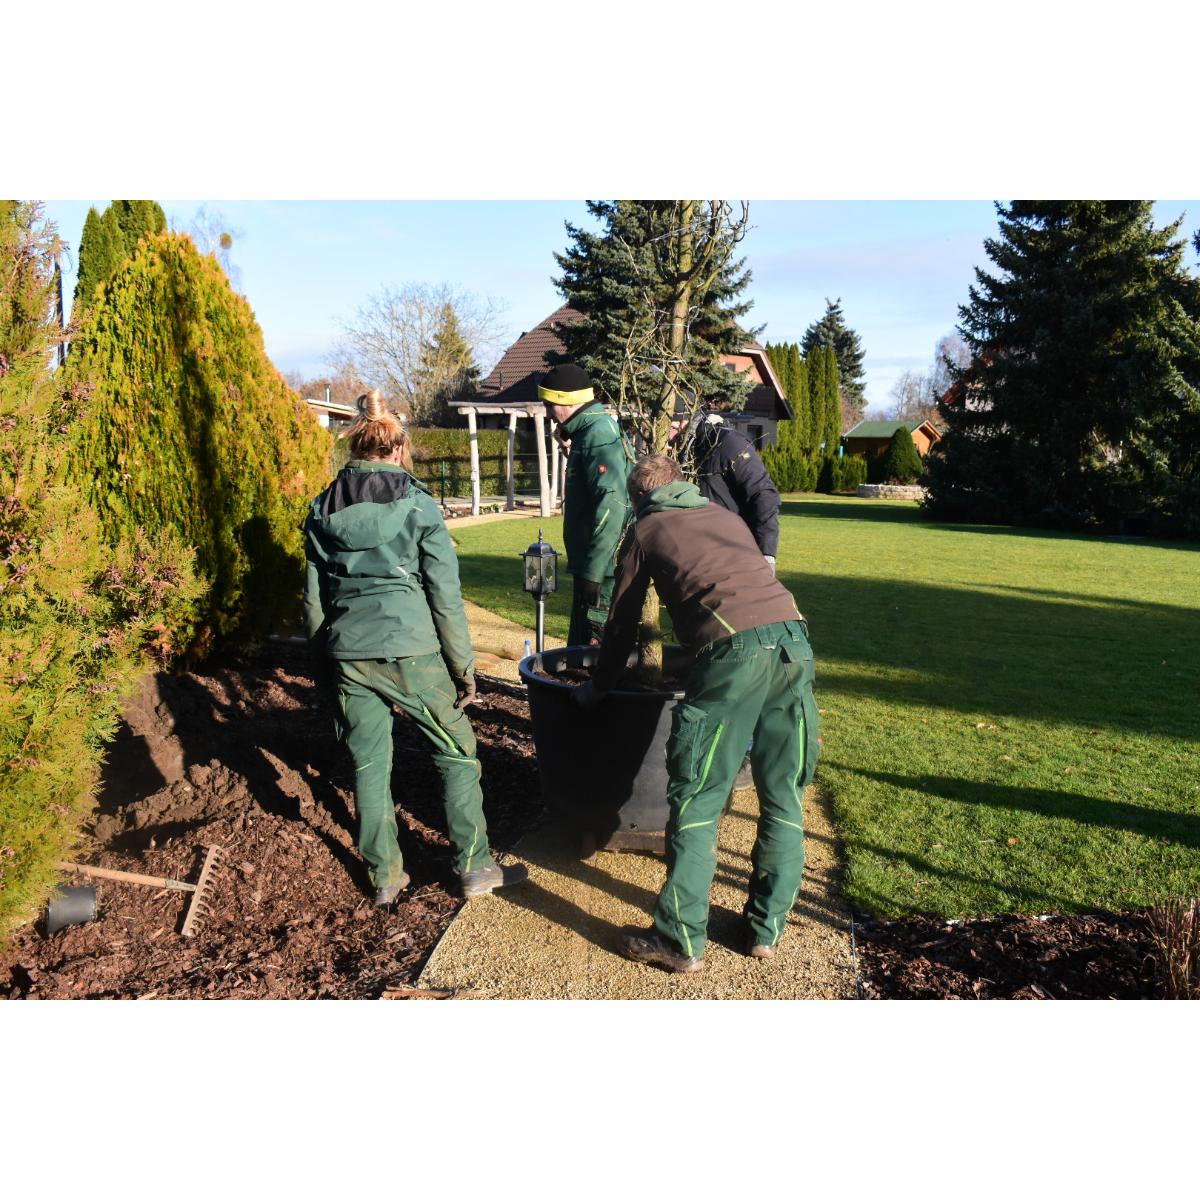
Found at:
[242, 755]
[1102, 956]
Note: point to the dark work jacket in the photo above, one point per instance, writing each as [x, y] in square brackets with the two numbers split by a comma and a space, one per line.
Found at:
[382, 573]
[730, 473]
[706, 569]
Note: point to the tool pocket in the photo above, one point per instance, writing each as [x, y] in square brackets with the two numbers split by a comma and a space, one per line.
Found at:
[687, 740]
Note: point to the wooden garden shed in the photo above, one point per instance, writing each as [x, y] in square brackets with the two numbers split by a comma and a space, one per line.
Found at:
[869, 436]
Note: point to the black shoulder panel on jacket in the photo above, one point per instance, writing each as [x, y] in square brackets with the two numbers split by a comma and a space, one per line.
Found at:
[363, 487]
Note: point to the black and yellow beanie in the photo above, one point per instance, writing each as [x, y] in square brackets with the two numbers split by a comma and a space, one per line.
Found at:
[567, 385]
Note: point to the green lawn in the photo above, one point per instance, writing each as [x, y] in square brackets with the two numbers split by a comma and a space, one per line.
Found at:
[1011, 719]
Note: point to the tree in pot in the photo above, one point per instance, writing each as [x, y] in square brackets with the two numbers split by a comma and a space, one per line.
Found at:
[659, 288]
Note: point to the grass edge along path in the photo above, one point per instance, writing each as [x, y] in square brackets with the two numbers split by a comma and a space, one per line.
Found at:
[1009, 717]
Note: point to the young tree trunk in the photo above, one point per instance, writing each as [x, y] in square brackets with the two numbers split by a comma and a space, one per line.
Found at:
[650, 654]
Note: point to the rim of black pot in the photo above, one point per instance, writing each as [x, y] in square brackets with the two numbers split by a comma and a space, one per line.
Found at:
[528, 674]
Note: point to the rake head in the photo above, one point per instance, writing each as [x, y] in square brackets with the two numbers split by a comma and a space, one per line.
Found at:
[198, 907]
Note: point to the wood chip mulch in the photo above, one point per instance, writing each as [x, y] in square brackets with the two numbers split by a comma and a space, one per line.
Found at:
[1098, 956]
[260, 774]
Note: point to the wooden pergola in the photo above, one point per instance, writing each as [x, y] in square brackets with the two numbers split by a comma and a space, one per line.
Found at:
[550, 467]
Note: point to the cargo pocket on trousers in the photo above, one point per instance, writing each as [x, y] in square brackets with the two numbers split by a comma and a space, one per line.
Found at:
[687, 735]
[798, 663]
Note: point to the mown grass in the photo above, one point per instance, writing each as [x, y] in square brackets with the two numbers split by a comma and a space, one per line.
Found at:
[1011, 719]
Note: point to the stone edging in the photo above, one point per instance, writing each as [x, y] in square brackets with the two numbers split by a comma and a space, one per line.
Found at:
[891, 491]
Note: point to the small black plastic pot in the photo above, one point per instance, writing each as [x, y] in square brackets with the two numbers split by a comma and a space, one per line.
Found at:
[604, 770]
[70, 906]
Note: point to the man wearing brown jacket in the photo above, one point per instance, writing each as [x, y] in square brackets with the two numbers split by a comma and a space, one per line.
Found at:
[752, 676]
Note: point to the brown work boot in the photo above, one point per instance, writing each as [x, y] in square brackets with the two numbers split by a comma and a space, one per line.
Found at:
[386, 894]
[759, 949]
[649, 946]
[491, 879]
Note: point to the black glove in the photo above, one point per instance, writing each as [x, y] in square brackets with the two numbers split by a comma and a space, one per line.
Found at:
[589, 589]
[465, 687]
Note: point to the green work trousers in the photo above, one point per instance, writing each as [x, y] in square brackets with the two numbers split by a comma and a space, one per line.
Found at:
[420, 686]
[758, 683]
[587, 621]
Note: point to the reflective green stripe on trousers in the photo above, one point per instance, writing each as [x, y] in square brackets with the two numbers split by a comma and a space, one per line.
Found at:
[420, 686]
[757, 683]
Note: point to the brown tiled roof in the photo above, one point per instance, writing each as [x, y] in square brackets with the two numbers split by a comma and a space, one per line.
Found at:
[514, 378]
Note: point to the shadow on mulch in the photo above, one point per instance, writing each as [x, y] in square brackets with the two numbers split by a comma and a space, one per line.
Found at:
[242, 754]
[1101, 956]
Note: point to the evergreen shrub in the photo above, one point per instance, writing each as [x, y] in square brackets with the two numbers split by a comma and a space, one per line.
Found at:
[192, 431]
[80, 619]
[900, 462]
[848, 472]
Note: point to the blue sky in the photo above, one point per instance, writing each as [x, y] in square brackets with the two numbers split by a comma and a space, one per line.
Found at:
[901, 268]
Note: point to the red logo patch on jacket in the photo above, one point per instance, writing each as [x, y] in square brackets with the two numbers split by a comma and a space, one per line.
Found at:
[602, 468]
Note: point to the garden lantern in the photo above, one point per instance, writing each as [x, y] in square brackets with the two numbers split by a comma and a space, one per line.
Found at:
[541, 578]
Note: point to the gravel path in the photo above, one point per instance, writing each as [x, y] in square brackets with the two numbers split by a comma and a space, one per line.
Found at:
[556, 936]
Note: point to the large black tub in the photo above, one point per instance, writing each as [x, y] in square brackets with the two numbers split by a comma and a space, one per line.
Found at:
[604, 770]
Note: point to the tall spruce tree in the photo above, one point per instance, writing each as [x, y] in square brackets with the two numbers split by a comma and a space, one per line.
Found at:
[832, 330]
[1080, 403]
[656, 271]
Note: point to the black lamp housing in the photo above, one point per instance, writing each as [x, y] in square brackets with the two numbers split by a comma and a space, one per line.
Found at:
[541, 568]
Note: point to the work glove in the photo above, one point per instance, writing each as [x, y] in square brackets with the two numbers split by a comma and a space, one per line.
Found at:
[465, 687]
[590, 590]
[770, 562]
[587, 695]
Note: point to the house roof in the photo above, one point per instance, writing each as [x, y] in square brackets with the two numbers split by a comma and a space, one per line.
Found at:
[885, 429]
[514, 379]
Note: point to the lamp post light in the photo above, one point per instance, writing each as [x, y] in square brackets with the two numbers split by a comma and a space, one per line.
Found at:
[541, 579]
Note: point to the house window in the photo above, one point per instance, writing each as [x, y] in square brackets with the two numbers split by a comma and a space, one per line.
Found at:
[756, 435]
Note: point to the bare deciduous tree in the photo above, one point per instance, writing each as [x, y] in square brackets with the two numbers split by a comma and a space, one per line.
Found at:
[913, 398]
[393, 339]
[213, 234]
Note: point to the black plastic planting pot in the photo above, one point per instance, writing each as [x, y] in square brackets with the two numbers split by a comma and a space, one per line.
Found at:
[604, 770]
[70, 906]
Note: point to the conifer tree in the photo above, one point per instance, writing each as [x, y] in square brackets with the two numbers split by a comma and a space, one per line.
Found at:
[901, 463]
[1080, 403]
[628, 282]
[78, 615]
[108, 240]
[447, 370]
[137, 219]
[101, 252]
[832, 330]
[192, 429]
[799, 398]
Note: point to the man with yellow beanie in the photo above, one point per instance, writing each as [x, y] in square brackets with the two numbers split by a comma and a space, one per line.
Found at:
[596, 505]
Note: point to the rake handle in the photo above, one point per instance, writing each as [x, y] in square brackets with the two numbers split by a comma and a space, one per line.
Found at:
[158, 881]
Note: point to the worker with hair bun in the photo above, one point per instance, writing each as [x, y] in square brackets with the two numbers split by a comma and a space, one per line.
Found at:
[384, 613]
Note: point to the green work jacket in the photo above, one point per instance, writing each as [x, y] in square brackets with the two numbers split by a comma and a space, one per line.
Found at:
[596, 505]
[382, 577]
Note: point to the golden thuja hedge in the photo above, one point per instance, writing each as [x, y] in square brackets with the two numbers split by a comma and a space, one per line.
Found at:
[192, 430]
[80, 619]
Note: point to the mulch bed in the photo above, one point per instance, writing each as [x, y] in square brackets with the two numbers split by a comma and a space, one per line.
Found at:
[242, 755]
[1099, 956]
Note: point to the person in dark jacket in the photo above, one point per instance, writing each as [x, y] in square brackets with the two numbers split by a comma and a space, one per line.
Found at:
[752, 674]
[595, 505]
[385, 617]
[729, 472]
